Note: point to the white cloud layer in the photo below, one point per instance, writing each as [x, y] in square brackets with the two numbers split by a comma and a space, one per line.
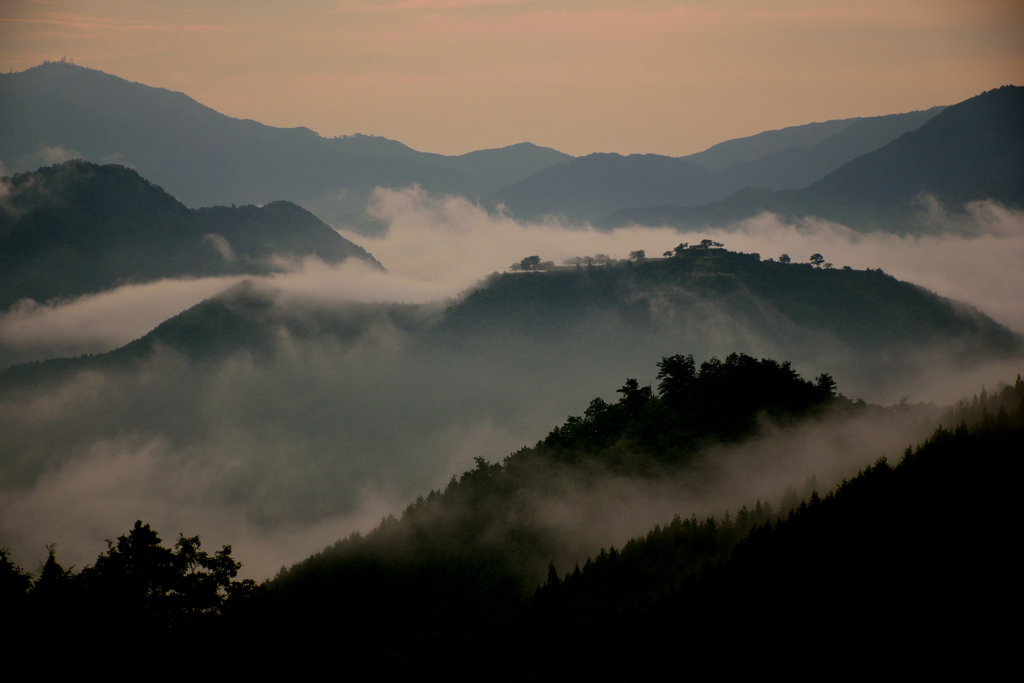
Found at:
[280, 457]
[437, 246]
[451, 240]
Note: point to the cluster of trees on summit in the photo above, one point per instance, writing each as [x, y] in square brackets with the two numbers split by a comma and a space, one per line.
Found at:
[719, 402]
[534, 263]
[868, 310]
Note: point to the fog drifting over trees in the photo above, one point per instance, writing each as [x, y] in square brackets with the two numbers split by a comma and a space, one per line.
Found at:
[279, 454]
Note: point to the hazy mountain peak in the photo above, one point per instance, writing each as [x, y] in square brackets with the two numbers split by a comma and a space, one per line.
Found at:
[752, 147]
[78, 228]
[54, 112]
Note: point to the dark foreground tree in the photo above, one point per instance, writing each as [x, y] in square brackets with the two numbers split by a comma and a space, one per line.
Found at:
[137, 589]
[15, 582]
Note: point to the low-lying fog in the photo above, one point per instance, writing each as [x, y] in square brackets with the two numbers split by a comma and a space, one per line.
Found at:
[436, 247]
[281, 456]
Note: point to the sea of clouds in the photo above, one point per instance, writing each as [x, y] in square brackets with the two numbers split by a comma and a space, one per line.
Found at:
[280, 458]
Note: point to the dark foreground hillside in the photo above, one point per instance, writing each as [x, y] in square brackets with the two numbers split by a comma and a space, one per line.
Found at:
[830, 570]
[78, 228]
[904, 561]
[898, 551]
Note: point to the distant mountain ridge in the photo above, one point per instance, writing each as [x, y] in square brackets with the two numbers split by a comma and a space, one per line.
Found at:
[970, 151]
[78, 228]
[202, 157]
[58, 111]
[586, 188]
[798, 166]
[591, 187]
[753, 147]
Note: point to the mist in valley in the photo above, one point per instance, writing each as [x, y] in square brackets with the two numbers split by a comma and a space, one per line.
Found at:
[358, 402]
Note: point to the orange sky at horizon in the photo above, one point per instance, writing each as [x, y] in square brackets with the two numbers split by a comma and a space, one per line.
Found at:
[451, 76]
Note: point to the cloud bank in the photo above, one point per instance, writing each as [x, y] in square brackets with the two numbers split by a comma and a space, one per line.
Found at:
[449, 239]
[282, 454]
[437, 246]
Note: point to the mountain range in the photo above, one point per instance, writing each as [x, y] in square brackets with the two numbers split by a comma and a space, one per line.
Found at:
[77, 228]
[971, 151]
[284, 417]
[588, 188]
[57, 110]
[865, 171]
[597, 316]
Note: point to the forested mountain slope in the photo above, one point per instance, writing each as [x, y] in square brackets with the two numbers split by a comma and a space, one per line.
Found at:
[868, 546]
[865, 309]
[454, 562]
[461, 571]
[871, 327]
[463, 557]
[441, 583]
[77, 228]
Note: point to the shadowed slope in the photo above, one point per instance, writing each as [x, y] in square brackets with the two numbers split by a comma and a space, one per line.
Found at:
[79, 228]
[970, 151]
[57, 110]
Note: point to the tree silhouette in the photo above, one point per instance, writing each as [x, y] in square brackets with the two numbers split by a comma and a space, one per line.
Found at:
[138, 578]
[676, 374]
[53, 579]
[528, 263]
[826, 384]
[14, 581]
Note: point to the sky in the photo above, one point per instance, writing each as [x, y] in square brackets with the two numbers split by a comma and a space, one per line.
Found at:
[451, 76]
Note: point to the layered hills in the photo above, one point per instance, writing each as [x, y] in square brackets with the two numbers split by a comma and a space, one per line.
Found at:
[78, 228]
[314, 400]
[969, 152]
[202, 157]
[798, 166]
[460, 573]
[57, 111]
[588, 188]
[272, 416]
[861, 321]
[456, 558]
